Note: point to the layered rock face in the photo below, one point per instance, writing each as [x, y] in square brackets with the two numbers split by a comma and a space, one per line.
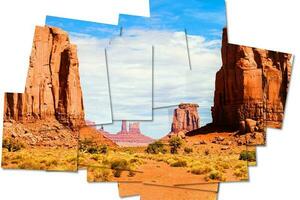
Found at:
[53, 88]
[185, 118]
[251, 84]
[131, 137]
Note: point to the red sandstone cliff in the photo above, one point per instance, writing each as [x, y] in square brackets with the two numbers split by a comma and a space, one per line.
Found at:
[250, 82]
[53, 88]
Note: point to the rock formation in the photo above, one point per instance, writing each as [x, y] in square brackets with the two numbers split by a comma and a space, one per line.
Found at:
[185, 118]
[123, 128]
[131, 137]
[250, 82]
[134, 128]
[53, 88]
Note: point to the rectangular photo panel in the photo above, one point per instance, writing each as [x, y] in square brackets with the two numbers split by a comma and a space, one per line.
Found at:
[158, 192]
[40, 128]
[134, 189]
[277, 70]
[130, 67]
[91, 40]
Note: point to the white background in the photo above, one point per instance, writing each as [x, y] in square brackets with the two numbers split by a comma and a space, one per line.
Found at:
[266, 24]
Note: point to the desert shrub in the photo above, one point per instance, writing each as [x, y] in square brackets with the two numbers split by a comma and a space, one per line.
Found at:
[241, 172]
[119, 164]
[92, 150]
[248, 156]
[179, 163]
[175, 144]
[206, 152]
[198, 170]
[117, 173]
[12, 145]
[188, 150]
[101, 174]
[103, 149]
[156, 147]
[88, 146]
[224, 165]
[134, 160]
[170, 161]
[215, 175]
[85, 144]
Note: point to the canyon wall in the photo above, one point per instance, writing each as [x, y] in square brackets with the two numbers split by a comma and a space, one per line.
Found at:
[52, 88]
[251, 84]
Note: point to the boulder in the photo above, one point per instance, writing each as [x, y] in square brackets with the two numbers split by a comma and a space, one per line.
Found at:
[250, 125]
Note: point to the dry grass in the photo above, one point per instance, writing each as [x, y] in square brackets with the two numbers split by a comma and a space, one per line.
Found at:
[212, 167]
[40, 159]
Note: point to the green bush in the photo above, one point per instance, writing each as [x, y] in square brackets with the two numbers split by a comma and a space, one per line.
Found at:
[103, 149]
[198, 170]
[248, 156]
[175, 144]
[155, 148]
[179, 163]
[12, 145]
[88, 146]
[119, 164]
[188, 150]
[92, 150]
[215, 175]
[117, 173]
[85, 144]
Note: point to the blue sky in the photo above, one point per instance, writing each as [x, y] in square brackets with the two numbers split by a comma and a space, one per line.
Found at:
[198, 17]
[92, 29]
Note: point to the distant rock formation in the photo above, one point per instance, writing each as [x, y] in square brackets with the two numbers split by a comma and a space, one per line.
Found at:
[53, 88]
[131, 137]
[251, 82]
[123, 128]
[134, 128]
[185, 118]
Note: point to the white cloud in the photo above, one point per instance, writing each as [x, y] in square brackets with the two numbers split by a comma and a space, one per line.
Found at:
[130, 73]
[93, 77]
